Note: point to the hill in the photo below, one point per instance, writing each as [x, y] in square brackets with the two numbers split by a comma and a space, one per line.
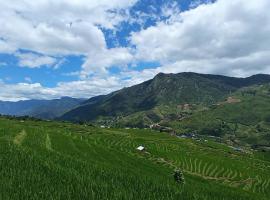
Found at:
[53, 160]
[243, 117]
[164, 90]
[44, 109]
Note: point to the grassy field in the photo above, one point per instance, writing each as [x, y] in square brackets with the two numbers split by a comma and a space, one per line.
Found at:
[53, 160]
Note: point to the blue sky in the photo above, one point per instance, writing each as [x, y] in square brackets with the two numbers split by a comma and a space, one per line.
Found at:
[84, 48]
[48, 76]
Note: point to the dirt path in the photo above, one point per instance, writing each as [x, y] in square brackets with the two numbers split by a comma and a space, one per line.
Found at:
[19, 138]
[48, 143]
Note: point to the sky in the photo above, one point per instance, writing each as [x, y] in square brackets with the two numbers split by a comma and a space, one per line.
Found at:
[85, 48]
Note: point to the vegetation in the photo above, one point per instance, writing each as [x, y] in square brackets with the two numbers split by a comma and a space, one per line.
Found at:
[53, 160]
[238, 114]
[178, 176]
[164, 90]
[243, 118]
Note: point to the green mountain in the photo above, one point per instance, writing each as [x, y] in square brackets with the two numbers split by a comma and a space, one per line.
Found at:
[243, 117]
[164, 92]
[44, 109]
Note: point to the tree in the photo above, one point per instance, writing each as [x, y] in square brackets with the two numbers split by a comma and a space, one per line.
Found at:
[178, 176]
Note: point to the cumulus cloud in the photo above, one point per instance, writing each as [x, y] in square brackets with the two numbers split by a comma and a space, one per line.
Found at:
[5, 47]
[99, 62]
[59, 28]
[225, 37]
[80, 89]
[23, 91]
[32, 60]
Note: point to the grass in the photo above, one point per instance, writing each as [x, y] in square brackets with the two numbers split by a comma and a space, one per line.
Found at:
[52, 160]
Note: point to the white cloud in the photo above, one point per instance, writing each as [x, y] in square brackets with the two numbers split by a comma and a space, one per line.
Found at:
[62, 27]
[171, 11]
[22, 91]
[99, 62]
[59, 28]
[80, 89]
[32, 60]
[227, 37]
[6, 47]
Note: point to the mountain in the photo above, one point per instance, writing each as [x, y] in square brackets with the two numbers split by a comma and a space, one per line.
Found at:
[164, 90]
[44, 109]
[243, 118]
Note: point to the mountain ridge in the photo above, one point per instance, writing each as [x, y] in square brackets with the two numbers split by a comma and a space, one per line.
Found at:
[44, 109]
[163, 89]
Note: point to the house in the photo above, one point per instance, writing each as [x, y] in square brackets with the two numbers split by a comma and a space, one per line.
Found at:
[186, 106]
[161, 128]
[155, 126]
[140, 148]
[188, 135]
[238, 149]
[183, 136]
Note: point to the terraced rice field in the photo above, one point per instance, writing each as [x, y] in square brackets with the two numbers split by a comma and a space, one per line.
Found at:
[51, 160]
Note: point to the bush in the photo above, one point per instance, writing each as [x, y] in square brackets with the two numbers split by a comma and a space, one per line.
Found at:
[178, 176]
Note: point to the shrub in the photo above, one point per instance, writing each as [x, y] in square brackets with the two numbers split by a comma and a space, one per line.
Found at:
[178, 176]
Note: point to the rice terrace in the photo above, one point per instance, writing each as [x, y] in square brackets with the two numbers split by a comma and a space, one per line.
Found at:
[53, 160]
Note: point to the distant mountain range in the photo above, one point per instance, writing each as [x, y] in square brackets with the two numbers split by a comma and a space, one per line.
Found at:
[164, 90]
[43, 109]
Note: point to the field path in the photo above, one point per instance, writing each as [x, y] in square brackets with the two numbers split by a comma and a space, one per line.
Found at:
[48, 143]
[19, 138]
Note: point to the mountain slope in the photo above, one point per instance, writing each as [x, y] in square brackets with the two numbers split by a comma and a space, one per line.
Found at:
[44, 109]
[164, 89]
[244, 117]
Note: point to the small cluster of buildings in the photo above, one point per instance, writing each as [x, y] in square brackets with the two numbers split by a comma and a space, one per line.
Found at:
[160, 128]
[188, 135]
[239, 149]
